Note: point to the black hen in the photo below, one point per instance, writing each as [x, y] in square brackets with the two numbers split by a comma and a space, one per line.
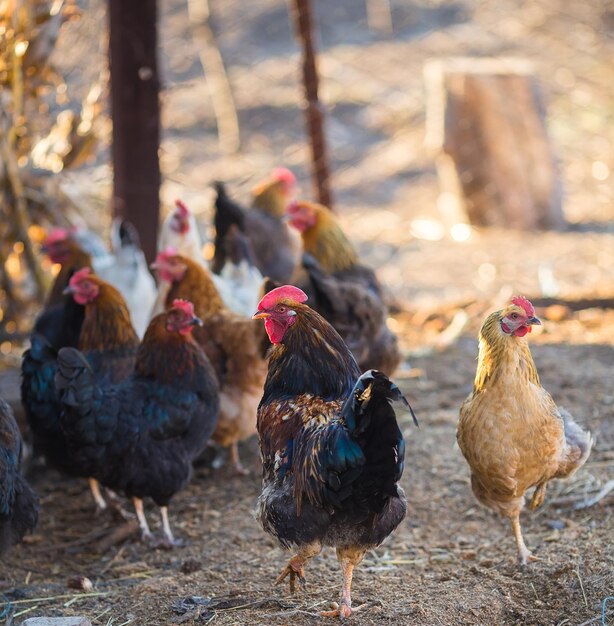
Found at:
[331, 448]
[141, 436]
[356, 312]
[18, 503]
[275, 249]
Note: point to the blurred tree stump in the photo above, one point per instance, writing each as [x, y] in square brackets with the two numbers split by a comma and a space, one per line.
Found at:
[496, 165]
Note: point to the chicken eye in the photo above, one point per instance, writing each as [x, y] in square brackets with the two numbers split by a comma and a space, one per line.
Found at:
[281, 309]
[514, 316]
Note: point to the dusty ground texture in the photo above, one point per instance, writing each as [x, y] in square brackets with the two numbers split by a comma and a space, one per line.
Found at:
[451, 562]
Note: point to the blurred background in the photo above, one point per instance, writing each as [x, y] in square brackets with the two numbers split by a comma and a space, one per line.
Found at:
[382, 116]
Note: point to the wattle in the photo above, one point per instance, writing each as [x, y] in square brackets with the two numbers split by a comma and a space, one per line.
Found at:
[521, 331]
[274, 329]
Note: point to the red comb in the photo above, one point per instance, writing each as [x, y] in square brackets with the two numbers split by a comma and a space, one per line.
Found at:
[166, 254]
[292, 208]
[284, 175]
[56, 235]
[524, 304]
[182, 208]
[184, 305]
[287, 292]
[77, 277]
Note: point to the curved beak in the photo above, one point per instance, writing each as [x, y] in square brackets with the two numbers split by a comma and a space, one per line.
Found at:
[534, 321]
[261, 315]
[67, 290]
[196, 321]
[153, 266]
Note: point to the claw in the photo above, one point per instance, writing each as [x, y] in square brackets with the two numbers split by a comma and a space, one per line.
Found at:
[295, 571]
[342, 611]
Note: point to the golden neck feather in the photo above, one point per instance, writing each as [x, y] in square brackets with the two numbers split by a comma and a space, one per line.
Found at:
[107, 325]
[501, 354]
[329, 245]
[270, 198]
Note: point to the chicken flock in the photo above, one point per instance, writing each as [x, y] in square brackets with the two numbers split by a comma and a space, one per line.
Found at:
[127, 382]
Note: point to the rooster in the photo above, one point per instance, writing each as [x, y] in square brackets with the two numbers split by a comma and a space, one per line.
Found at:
[18, 503]
[324, 238]
[232, 343]
[262, 224]
[140, 436]
[510, 431]
[107, 338]
[331, 448]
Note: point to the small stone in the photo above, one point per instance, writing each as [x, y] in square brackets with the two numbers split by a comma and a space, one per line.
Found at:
[57, 621]
[555, 524]
[80, 582]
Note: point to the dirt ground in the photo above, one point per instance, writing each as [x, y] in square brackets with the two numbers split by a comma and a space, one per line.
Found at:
[451, 562]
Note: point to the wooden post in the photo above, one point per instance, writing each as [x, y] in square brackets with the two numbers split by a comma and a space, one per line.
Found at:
[136, 117]
[486, 120]
[315, 117]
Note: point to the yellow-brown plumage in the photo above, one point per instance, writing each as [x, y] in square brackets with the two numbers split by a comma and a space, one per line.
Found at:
[232, 343]
[510, 430]
[107, 325]
[327, 242]
[271, 197]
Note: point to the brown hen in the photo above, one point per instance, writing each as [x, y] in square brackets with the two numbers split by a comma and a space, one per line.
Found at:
[232, 343]
[510, 430]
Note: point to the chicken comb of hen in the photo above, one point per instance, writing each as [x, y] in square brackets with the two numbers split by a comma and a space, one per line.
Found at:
[285, 292]
[166, 254]
[184, 305]
[79, 276]
[524, 304]
[182, 208]
[284, 175]
[56, 235]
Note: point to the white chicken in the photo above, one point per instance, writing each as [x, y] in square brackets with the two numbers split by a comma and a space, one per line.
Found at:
[239, 282]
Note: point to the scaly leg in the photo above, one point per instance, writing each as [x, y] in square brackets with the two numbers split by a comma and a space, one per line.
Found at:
[236, 461]
[101, 505]
[140, 515]
[348, 558]
[538, 496]
[170, 541]
[297, 563]
[524, 554]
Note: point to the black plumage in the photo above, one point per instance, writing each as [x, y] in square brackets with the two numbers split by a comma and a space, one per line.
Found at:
[140, 436]
[331, 447]
[18, 502]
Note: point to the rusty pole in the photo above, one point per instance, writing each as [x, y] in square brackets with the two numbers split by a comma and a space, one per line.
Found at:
[315, 117]
[135, 112]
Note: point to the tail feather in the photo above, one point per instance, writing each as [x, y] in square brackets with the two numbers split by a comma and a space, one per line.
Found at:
[227, 214]
[74, 379]
[578, 446]
[372, 421]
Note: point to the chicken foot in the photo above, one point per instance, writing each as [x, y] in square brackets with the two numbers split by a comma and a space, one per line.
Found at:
[146, 534]
[169, 540]
[295, 567]
[538, 496]
[236, 460]
[524, 554]
[101, 505]
[348, 558]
